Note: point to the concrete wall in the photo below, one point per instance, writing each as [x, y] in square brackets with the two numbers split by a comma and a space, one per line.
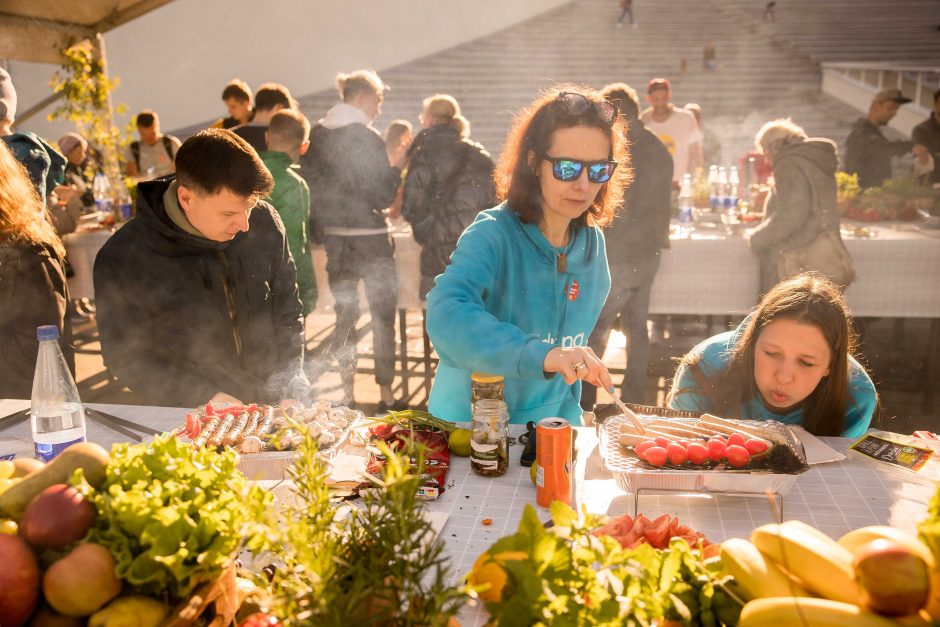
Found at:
[178, 58]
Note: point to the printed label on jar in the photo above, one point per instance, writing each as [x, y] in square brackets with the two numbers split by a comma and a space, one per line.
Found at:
[539, 476]
[484, 455]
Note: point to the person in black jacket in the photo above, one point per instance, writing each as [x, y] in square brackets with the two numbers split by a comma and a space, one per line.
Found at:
[351, 184]
[633, 244]
[197, 294]
[33, 290]
[868, 152]
[449, 181]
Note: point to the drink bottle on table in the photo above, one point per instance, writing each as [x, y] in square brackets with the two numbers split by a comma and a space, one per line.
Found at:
[56, 412]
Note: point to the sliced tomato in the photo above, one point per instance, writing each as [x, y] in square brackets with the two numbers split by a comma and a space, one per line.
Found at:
[210, 409]
[673, 525]
[658, 532]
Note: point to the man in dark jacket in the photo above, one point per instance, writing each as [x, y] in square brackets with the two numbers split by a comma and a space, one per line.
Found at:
[351, 184]
[926, 139]
[633, 244]
[867, 151]
[197, 295]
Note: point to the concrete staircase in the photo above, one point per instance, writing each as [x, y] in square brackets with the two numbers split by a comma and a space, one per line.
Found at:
[759, 75]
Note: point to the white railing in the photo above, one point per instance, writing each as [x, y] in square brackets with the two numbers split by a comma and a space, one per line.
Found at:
[855, 84]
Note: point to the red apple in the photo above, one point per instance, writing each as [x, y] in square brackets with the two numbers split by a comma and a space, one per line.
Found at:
[19, 581]
[57, 517]
[893, 579]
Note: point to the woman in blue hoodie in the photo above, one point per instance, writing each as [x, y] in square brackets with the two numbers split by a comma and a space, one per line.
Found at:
[789, 361]
[529, 277]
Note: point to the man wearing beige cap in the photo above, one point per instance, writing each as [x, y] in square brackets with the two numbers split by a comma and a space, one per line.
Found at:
[868, 152]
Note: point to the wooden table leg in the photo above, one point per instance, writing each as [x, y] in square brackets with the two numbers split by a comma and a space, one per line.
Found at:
[427, 352]
[403, 351]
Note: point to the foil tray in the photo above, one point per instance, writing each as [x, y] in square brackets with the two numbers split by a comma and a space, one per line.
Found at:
[633, 474]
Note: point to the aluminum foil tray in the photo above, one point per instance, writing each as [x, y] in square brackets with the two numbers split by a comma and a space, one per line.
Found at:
[633, 474]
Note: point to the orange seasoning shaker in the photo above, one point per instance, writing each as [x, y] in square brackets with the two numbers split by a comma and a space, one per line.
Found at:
[553, 461]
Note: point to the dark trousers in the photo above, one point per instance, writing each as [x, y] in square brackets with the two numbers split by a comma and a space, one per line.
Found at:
[370, 258]
[630, 301]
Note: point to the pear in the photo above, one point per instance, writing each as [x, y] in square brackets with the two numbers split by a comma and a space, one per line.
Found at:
[131, 611]
[81, 583]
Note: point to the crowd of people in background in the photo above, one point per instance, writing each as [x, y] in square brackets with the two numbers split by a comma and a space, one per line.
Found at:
[205, 293]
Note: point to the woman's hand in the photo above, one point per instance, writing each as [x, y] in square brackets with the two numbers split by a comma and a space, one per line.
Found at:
[578, 362]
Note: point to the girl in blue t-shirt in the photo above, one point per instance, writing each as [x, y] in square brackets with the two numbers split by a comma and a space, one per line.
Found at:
[790, 361]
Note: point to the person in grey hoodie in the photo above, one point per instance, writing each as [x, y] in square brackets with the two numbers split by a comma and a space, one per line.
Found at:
[351, 183]
[803, 199]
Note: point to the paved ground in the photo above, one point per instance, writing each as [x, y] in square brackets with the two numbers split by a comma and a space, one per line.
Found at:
[895, 357]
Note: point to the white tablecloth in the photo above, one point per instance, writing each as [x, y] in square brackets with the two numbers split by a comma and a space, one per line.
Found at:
[898, 275]
[82, 248]
[835, 497]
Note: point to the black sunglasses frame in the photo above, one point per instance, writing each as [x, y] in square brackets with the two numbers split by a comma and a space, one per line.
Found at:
[582, 165]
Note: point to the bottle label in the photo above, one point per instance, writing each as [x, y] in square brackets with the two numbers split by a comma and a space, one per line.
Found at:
[484, 455]
[45, 452]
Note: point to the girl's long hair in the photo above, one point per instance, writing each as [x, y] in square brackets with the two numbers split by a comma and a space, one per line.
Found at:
[22, 215]
[807, 298]
[516, 176]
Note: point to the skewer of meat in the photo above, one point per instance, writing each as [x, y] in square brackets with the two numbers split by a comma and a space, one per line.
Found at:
[251, 427]
[219, 436]
[234, 436]
[208, 430]
[266, 422]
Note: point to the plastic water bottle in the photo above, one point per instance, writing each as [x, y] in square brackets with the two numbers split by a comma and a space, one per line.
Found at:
[685, 200]
[57, 415]
[124, 210]
[713, 187]
[722, 189]
[101, 188]
[734, 182]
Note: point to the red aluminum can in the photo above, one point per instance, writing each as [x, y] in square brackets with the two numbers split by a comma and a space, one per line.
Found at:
[553, 461]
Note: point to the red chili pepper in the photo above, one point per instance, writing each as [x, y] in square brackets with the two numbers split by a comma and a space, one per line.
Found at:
[210, 410]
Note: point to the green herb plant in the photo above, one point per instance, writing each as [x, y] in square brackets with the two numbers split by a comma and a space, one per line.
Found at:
[86, 90]
[175, 516]
[375, 566]
[573, 578]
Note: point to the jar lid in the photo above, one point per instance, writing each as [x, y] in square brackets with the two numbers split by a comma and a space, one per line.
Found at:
[483, 377]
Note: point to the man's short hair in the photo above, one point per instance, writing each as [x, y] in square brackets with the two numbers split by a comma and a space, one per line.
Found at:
[936, 95]
[215, 159]
[288, 129]
[359, 82]
[624, 98]
[272, 94]
[237, 89]
[395, 131]
[658, 84]
[146, 118]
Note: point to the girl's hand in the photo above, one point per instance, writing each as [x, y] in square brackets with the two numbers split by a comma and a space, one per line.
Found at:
[578, 362]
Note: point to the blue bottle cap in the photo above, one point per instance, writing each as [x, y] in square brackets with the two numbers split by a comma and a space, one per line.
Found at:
[47, 332]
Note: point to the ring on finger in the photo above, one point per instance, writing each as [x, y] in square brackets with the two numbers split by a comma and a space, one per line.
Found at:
[580, 365]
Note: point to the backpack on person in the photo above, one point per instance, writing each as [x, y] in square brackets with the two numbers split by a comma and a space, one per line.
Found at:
[167, 145]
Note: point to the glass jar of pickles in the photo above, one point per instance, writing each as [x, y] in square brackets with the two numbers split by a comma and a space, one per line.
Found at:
[486, 386]
[489, 438]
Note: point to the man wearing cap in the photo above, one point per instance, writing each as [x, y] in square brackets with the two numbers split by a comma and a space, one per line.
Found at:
[867, 151]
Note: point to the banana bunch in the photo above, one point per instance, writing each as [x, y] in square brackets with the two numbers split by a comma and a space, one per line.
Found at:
[793, 574]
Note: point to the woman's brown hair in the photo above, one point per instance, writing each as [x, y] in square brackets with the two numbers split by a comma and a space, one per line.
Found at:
[807, 298]
[516, 175]
[22, 216]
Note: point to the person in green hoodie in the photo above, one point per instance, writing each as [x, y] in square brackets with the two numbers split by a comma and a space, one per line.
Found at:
[528, 278]
[288, 137]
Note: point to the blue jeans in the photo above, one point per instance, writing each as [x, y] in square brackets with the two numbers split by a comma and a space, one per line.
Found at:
[630, 300]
